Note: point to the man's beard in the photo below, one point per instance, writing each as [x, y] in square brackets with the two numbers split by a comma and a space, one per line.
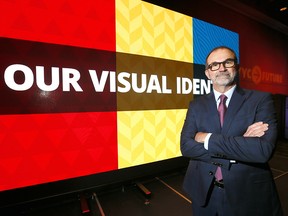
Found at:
[224, 80]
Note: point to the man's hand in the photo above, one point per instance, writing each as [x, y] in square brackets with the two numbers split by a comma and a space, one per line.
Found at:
[200, 137]
[256, 130]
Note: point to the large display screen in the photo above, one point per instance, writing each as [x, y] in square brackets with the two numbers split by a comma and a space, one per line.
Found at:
[94, 86]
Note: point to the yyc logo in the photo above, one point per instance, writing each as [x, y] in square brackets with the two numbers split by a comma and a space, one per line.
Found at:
[257, 75]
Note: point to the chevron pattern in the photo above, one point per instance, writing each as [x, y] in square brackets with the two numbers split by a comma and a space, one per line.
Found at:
[148, 136]
[145, 29]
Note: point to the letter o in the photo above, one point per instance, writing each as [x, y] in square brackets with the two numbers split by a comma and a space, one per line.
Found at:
[9, 77]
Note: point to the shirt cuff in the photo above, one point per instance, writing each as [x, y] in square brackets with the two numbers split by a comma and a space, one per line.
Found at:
[206, 141]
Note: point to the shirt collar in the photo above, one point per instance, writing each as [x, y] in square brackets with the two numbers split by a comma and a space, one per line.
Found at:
[228, 94]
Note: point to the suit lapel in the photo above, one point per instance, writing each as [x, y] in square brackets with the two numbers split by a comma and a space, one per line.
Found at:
[214, 112]
[235, 104]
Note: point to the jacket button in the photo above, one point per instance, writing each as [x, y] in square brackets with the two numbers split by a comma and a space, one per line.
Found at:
[210, 173]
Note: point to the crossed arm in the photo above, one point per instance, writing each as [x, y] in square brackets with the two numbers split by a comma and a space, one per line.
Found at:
[255, 130]
[254, 144]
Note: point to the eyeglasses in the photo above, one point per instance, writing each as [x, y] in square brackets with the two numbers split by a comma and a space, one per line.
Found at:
[228, 63]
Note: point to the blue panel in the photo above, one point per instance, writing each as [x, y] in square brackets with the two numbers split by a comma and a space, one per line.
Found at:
[207, 36]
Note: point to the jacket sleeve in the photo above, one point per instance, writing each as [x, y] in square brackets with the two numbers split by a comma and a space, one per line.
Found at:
[189, 147]
[248, 149]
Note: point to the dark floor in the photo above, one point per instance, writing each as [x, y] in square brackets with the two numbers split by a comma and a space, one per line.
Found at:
[166, 198]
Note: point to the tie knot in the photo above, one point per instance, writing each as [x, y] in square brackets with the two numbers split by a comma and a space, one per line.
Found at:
[223, 98]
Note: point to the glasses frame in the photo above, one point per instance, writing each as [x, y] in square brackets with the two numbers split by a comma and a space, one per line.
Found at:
[223, 63]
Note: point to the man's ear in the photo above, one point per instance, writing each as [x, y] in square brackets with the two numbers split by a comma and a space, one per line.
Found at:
[207, 74]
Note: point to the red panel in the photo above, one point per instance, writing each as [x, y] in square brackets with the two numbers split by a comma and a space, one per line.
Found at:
[89, 23]
[42, 148]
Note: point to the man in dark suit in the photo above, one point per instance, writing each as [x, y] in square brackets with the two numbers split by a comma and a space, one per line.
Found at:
[228, 174]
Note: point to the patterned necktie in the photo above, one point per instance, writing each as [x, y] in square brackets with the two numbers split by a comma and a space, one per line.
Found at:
[221, 110]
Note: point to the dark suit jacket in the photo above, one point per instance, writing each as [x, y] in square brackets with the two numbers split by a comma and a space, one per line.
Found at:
[249, 183]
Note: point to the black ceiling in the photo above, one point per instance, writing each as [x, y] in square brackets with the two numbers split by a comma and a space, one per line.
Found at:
[266, 12]
[270, 8]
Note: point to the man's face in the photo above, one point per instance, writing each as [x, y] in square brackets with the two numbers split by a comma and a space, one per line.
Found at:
[222, 68]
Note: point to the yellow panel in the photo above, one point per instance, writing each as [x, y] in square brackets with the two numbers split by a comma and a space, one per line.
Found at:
[148, 136]
[146, 29]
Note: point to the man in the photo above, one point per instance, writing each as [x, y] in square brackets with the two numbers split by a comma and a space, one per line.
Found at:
[228, 174]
